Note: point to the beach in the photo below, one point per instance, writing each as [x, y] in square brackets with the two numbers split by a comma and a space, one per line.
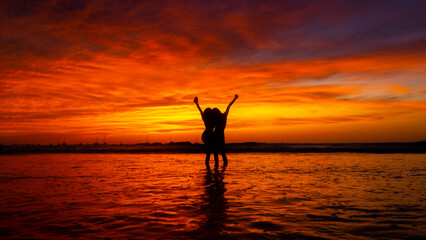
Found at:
[174, 196]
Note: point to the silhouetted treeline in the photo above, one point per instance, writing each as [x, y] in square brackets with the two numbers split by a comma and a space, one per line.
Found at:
[187, 147]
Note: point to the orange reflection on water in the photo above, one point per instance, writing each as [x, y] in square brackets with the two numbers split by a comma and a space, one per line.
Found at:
[259, 195]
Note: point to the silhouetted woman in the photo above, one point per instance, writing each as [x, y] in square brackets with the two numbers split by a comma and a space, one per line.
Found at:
[207, 136]
[219, 133]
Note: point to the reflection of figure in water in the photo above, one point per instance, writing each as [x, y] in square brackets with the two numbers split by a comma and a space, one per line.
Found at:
[208, 133]
[215, 140]
[219, 133]
[216, 205]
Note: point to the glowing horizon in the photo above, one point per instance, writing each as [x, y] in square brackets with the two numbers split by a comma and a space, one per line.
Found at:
[321, 71]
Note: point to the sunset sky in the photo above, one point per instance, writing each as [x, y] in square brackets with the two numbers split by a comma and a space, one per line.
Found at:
[305, 71]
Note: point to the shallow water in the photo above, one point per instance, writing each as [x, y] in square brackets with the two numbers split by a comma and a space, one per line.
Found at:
[173, 196]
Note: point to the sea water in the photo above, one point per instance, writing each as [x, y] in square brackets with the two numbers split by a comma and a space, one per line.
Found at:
[174, 196]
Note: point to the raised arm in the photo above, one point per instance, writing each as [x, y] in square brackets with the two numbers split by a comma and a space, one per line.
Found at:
[230, 104]
[198, 106]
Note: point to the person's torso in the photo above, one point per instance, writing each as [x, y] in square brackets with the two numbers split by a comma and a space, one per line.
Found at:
[209, 124]
[221, 124]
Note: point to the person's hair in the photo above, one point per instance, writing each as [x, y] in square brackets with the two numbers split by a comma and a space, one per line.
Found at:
[216, 111]
[208, 111]
[216, 115]
[208, 116]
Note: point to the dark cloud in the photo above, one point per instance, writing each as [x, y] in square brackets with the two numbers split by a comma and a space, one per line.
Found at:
[241, 31]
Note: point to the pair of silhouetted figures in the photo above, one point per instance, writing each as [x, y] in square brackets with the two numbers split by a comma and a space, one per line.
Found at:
[214, 135]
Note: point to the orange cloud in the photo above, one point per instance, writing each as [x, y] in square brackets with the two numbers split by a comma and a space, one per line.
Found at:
[85, 69]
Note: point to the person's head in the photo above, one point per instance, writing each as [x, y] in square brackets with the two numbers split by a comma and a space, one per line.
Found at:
[208, 115]
[207, 112]
[216, 111]
[216, 114]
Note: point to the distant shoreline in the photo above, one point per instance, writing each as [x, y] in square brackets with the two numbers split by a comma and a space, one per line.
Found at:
[187, 147]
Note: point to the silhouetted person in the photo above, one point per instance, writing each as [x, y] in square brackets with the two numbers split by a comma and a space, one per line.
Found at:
[207, 136]
[219, 133]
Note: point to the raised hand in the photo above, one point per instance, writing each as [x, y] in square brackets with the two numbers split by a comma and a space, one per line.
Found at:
[230, 104]
[196, 99]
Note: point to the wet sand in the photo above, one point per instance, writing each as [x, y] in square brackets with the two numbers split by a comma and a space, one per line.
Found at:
[173, 196]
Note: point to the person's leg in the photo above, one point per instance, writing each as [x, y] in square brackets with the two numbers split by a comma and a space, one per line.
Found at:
[225, 159]
[216, 159]
[208, 151]
[207, 160]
